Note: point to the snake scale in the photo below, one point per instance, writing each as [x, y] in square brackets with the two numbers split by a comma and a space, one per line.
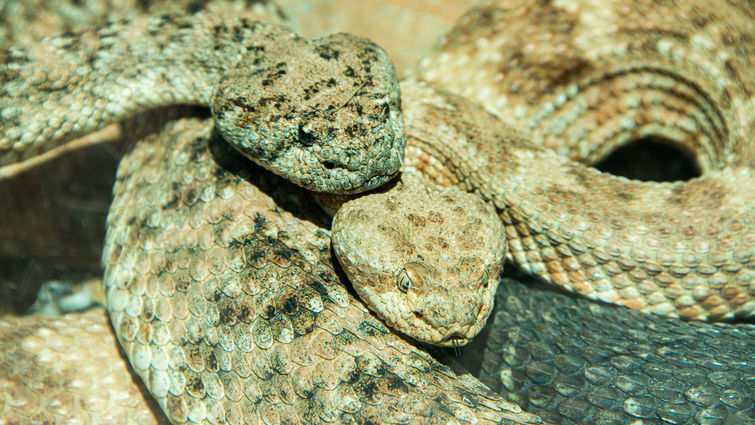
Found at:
[583, 79]
[474, 400]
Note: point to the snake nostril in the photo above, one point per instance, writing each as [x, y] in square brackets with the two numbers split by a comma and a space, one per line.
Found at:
[329, 165]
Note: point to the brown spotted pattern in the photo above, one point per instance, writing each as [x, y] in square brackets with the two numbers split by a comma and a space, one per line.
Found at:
[582, 78]
[426, 258]
[228, 307]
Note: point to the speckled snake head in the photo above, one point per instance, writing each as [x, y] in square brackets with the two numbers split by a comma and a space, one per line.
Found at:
[426, 259]
[325, 114]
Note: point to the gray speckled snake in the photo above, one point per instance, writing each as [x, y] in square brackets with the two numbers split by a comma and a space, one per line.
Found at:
[570, 242]
[225, 303]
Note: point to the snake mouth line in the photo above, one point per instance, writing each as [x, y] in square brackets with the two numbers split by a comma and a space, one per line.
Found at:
[455, 340]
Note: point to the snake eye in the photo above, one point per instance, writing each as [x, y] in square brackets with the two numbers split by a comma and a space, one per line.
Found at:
[482, 281]
[485, 277]
[403, 282]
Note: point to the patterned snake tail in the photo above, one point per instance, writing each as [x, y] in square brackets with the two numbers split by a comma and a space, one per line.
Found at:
[324, 114]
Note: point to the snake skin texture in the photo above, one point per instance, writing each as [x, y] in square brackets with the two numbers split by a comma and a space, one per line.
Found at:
[225, 300]
[69, 370]
[415, 25]
[85, 63]
[324, 113]
[572, 361]
[55, 204]
[26, 22]
[171, 228]
[582, 78]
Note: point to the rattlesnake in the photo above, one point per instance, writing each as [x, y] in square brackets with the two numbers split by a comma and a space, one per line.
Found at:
[295, 370]
[246, 77]
[191, 197]
[682, 249]
[583, 78]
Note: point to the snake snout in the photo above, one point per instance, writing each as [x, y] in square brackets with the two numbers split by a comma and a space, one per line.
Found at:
[454, 322]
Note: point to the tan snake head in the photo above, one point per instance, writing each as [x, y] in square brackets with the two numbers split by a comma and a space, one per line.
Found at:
[426, 259]
[325, 114]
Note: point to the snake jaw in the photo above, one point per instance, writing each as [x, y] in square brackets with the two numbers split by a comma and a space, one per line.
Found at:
[458, 335]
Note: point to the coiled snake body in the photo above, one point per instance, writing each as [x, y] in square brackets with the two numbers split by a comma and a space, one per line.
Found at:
[228, 312]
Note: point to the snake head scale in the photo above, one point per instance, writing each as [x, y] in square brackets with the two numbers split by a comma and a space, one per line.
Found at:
[426, 259]
[325, 114]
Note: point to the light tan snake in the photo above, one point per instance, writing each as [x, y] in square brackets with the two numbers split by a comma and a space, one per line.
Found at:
[441, 108]
[580, 79]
